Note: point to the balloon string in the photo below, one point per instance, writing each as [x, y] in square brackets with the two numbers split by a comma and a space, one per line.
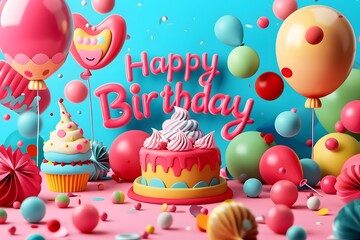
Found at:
[38, 127]
[313, 189]
[312, 132]
[91, 111]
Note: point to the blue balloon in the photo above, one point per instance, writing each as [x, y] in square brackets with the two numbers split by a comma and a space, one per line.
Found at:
[252, 187]
[28, 124]
[287, 124]
[229, 30]
[33, 209]
[296, 233]
[29, 145]
[311, 171]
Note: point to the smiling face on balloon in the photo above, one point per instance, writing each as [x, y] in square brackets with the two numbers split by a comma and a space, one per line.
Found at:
[94, 47]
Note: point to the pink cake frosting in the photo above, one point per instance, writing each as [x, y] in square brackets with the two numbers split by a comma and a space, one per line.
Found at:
[156, 141]
[206, 142]
[180, 143]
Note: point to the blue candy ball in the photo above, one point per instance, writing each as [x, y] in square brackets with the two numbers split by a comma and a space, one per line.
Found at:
[27, 124]
[311, 171]
[287, 124]
[296, 233]
[252, 187]
[33, 209]
[35, 237]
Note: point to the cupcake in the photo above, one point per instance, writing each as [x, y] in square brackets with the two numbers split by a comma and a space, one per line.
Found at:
[67, 164]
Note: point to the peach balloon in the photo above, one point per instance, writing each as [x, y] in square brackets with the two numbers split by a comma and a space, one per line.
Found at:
[315, 50]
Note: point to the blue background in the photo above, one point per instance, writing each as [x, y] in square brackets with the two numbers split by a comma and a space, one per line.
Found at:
[189, 28]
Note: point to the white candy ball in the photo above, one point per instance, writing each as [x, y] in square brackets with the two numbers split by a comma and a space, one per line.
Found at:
[165, 220]
[313, 203]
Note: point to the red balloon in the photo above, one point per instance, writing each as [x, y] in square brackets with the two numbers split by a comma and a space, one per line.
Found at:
[124, 156]
[269, 86]
[280, 163]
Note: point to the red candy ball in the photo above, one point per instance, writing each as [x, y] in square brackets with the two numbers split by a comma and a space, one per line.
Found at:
[263, 22]
[284, 192]
[279, 219]
[314, 35]
[85, 218]
[53, 225]
[327, 184]
[269, 86]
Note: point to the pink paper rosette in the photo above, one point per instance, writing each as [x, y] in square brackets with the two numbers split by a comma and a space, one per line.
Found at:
[348, 183]
[19, 176]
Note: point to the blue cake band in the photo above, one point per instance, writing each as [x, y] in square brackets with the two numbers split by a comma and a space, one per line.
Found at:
[67, 158]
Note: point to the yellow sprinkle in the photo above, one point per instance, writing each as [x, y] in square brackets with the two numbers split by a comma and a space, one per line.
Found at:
[51, 144]
[51, 133]
[71, 138]
[66, 145]
[49, 162]
[164, 207]
[323, 212]
[44, 143]
[61, 121]
[229, 201]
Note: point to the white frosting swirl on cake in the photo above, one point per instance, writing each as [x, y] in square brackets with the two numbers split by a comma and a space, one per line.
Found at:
[180, 121]
[206, 142]
[180, 143]
[156, 141]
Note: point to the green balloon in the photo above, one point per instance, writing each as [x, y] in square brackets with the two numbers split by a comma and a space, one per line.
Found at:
[243, 62]
[333, 103]
[243, 155]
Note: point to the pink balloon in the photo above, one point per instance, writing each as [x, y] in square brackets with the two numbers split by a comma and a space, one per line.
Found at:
[284, 192]
[35, 46]
[327, 184]
[124, 156]
[279, 219]
[111, 43]
[283, 8]
[280, 163]
[350, 116]
[75, 91]
[103, 6]
[354, 160]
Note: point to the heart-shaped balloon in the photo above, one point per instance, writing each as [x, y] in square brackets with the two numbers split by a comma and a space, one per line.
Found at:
[280, 163]
[94, 47]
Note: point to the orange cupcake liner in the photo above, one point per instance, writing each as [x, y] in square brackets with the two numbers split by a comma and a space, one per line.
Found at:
[67, 183]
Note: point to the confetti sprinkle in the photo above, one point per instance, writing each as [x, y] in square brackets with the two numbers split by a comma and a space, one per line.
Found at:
[34, 226]
[139, 4]
[202, 42]
[163, 19]
[127, 37]
[60, 75]
[249, 26]
[323, 212]
[188, 228]
[87, 25]
[318, 223]
[152, 37]
[78, 112]
[83, 3]
[98, 199]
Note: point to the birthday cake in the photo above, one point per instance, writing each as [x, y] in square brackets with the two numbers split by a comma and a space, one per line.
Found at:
[180, 164]
[67, 165]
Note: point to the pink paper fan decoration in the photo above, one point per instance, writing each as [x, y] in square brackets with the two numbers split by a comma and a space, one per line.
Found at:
[19, 176]
[348, 183]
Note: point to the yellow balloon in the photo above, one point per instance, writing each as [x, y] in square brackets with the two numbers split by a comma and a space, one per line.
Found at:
[332, 151]
[315, 50]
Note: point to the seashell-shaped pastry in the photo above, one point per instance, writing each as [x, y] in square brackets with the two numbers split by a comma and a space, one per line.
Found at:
[347, 222]
[348, 183]
[231, 221]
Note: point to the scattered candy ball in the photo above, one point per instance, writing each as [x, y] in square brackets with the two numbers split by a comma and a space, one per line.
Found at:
[309, 195]
[20, 143]
[296, 233]
[16, 205]
[313, 203]
[12, 230]
[117, 197]
[85, 218]
[164, 207]
[165, 220]
[62, 200]
[172, 208]
[284, 192]
[128, 236]
[33, 209]
[263, 22]
[144, 235]
[53, 225]
[331, 144]
[103, 6]
[35, 237]
[137, 206]
[6, 117]
[150, 229]
[100, 187]
[204, 211]
[103, 216]
[350, 115]
[3, 216]
[252, 187]
[314, 35]
[279, 219]
[327, 184]
[28, 124]
[75, 91]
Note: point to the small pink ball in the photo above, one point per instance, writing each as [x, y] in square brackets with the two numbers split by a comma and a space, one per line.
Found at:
[103, 216]
[85, 218]
[75, 91]
[309, 142]
[137, 206]
[327, 184]
[204, 211]
[20, 143]
[284, 192]
[279, 219]
[172, 208]
[350, 115]
[309, 195]
[6, 117]
[339, 127]
[16, 205]
[103, 6]
[331, 144]
[263, 22]
[12, 230]
[144, 235]
[314, 35]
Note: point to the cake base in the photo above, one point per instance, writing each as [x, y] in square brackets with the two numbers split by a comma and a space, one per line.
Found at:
[179, 196]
